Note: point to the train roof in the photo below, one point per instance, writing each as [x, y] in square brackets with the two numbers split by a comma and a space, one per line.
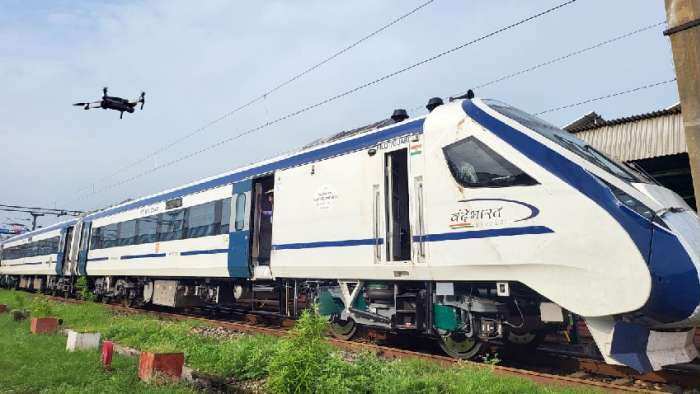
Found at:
[52, 227]
[337, 144]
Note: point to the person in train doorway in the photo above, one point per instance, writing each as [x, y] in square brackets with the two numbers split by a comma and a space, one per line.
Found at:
[266, 212]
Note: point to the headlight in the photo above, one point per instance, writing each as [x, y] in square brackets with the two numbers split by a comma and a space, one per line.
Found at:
[632, 203]
[637, 206]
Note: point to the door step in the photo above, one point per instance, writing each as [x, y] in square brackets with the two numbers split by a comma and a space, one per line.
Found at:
[262, 272]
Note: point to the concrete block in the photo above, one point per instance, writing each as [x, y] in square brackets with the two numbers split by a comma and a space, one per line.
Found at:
[164, 364]
[82, 341]
[44, 325]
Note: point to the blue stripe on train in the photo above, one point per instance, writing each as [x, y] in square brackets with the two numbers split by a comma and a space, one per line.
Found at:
[207, 251]
[142, 256]
[329, 244]
[500, 232]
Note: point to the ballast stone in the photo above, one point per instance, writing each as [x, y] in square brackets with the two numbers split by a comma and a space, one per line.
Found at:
[82, 341]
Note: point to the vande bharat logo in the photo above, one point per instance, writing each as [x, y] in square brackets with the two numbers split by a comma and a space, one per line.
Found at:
[490, 212]
[325, 197]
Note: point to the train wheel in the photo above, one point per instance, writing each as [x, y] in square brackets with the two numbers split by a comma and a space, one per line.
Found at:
[460, 346]
[343, 329]
[523, 341]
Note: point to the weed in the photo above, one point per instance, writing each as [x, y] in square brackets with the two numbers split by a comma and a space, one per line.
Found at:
[490, 358]
[41, 307]
[304, 362]
[81, 285]
[19, 300]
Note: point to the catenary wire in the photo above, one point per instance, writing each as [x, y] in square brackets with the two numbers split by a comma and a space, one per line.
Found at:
[607, 96]
[262, 96]
[567, 56]
[554, 60]
[334, 98]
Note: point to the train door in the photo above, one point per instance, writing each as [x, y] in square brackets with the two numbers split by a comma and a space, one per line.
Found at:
[64, 252]
[70, 264]
[396, 201]
[84, 248]
[239, 234]
[261, 217]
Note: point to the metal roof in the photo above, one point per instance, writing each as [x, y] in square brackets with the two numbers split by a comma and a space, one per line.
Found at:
[644, 136]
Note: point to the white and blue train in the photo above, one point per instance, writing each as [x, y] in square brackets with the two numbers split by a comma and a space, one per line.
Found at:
[472, 224]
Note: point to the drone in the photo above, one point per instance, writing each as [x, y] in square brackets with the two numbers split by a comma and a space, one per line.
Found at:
[115, 103]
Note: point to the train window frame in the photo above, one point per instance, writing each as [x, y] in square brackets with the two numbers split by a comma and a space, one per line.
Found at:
[225, 222]
[239, 223]
[474, 151]
[176, 234]
[208, 218]
[146, 238]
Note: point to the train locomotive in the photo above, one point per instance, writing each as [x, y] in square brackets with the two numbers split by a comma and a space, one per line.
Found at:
[476, 223]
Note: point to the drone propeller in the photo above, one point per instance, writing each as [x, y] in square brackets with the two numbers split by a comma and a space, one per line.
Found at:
[86, 106]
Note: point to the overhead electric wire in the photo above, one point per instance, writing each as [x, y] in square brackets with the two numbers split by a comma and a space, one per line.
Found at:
[338, 96]
[264, 95]
[554, 60]
[20, 208]
[567, 56]
[607, 96]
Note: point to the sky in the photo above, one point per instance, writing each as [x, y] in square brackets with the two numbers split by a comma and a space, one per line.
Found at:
[199, 60]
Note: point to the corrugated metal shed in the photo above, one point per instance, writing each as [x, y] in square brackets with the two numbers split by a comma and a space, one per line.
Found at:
[653, 134]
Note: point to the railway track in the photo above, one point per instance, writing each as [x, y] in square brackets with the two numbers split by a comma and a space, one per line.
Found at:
[547, 365]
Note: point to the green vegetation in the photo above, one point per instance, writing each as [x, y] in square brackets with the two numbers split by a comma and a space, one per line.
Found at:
[300, 363]
[39, 363]
[83, 290]
[41, 307]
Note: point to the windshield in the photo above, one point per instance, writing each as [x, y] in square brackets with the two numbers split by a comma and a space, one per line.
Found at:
[566, 140]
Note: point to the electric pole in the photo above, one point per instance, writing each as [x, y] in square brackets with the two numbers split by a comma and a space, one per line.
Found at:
[683, 18]
[34, 217]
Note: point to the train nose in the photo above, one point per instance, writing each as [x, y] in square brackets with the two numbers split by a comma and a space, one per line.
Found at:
[675, 266]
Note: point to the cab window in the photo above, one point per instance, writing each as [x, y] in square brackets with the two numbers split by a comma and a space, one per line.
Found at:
[473, 164]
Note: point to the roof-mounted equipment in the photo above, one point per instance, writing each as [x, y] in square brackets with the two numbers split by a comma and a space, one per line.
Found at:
[399, 115]
[434, 103]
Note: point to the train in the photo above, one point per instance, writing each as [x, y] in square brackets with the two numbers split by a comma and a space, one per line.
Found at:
[474, 224]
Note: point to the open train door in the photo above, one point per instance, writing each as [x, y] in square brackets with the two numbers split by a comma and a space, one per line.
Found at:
[84, 246]
[63, 266]
[239, 235]
[70, 255]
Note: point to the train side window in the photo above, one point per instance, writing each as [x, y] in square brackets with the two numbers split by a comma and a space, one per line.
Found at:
[202, 220]
[148, 230]
[127, 233]
[96, 241]
[54, 244]
[225, 215]
[473, 164]
[110, 235]
[171, 225]
[240, 211]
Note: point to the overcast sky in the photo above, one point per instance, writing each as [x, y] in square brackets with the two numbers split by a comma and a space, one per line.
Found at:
[199, 60]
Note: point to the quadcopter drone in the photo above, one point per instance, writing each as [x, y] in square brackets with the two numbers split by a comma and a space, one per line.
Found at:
[115, 103]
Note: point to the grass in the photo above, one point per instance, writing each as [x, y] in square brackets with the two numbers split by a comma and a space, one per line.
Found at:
[40, 364]
[299, 363]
